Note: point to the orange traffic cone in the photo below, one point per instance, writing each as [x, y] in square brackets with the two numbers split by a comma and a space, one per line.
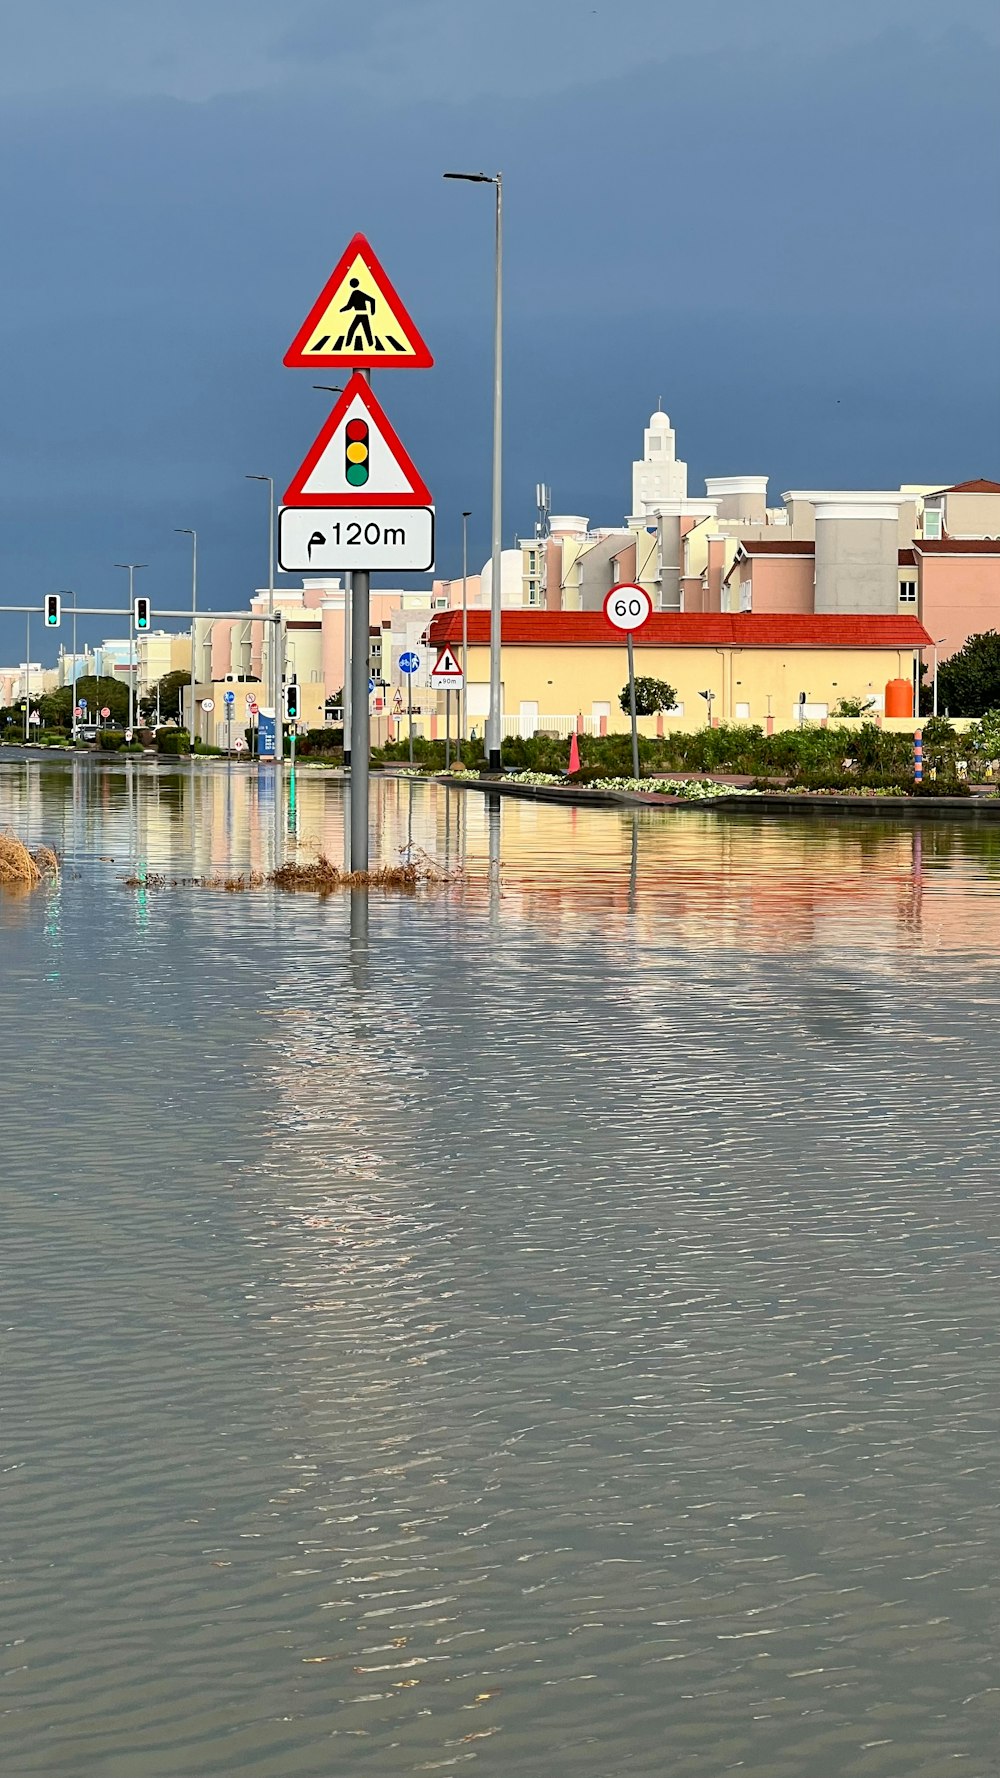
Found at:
[574, 757]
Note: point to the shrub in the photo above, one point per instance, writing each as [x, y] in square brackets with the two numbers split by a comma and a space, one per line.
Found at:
[172, 741]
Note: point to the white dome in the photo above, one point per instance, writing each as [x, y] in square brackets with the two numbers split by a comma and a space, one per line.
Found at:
[659, 422]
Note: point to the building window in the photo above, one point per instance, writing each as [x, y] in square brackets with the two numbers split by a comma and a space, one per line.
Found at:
[907, 592]
[932, 523]
[743, 712]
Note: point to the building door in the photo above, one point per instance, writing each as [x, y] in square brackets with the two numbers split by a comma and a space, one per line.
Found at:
[528, 713]
[600, 717]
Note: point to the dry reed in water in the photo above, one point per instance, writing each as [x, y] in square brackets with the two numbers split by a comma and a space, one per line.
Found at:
[21, 868]
[317, 877]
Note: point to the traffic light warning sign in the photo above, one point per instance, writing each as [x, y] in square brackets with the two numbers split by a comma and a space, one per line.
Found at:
[358, 321]
[357, 460]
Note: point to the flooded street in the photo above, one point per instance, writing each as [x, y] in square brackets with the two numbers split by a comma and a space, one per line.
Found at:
[543, 1325]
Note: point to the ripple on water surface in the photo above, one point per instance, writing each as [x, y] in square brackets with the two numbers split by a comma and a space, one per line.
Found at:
[546, 1326]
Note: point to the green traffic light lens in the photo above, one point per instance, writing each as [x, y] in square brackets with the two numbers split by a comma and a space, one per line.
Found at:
[357, 474]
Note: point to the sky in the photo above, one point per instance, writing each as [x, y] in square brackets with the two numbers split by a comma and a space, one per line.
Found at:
[779, 219]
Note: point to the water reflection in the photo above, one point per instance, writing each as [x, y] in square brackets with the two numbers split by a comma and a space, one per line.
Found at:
[548, 1321]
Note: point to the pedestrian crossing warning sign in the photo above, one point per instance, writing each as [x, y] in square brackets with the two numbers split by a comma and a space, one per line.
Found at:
[358, 321]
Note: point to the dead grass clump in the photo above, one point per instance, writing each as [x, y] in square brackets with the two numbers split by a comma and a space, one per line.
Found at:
[46, 860]
[21, 868]
[320, 877]
[16, 862]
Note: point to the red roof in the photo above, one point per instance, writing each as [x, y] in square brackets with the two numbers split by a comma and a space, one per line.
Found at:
[684, 629]
[907, 559]
[976, 487]
[957, 546]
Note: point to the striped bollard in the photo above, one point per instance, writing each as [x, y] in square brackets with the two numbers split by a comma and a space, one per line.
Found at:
[918, 756]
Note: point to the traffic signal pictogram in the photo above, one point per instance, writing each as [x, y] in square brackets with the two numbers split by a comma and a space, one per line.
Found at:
[53, 610]
[291, 701]
[357, 452]
[141, 612]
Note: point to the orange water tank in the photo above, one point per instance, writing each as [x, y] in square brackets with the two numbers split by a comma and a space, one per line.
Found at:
[899, 698]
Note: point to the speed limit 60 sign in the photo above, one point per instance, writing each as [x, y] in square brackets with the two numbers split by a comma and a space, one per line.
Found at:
[628, 606]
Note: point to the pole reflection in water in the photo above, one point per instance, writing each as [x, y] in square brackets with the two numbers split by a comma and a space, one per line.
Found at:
[633, 876]
[493, 801]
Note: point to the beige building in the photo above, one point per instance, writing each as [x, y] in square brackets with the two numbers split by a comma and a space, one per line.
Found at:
[563, 670]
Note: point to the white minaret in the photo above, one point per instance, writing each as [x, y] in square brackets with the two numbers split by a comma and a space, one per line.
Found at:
[661, 475]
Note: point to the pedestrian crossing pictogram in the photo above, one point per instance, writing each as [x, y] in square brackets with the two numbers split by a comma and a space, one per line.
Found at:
[358, 320]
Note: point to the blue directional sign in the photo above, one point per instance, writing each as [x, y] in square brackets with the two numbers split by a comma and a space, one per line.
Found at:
[371, 687]
[409, 662]
[83, 704]
[229, 697]
[267, 740]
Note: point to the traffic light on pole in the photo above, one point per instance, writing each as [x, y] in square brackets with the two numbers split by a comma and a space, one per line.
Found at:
[291, 701]
[357, 453]
[141, 612]
[53, 611]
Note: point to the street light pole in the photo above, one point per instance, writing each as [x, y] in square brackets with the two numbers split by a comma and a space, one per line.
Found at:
[186, 531]
[131, 566]
[73, 720]
[463, 730]
[274, 669]
[345, 692]
[494, 725]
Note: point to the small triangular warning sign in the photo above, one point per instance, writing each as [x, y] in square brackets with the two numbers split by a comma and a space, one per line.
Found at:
[357, 459]
[358, 321]
[446, 670]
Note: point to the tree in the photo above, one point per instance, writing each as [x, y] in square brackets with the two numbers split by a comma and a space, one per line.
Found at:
[651, 696]
[170, 689]
[96, 693]
[969, 681]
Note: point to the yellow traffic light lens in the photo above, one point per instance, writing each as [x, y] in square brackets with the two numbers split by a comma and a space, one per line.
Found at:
[356, 453]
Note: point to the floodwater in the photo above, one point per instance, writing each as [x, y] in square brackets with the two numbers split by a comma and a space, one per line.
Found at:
[545, 1326]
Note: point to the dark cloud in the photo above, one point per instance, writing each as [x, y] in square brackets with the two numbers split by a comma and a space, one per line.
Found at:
[790, 248]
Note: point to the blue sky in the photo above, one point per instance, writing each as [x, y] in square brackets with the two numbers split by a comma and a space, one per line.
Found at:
[779, 218]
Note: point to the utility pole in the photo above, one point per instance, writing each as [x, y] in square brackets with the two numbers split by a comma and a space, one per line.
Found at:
[464, 727]
[494, 723]
[186, 531]
[131, 567]
[274, 690]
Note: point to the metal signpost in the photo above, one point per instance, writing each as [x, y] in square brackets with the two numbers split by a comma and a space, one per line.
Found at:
[628, 607]
[447, 676]
[409, 664]
[229, 699]
[357, 504]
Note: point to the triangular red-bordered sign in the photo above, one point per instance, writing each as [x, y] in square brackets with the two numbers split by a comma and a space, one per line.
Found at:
[392, 480]
[358, 321]
[446, 667]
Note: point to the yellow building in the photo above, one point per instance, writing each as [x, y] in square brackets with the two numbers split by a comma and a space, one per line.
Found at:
[560, 666]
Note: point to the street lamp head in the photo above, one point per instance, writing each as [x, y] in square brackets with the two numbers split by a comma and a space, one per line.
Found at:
[258, 478]
[185, 531]
[330, 388]
[474, 178]
[131, 564]
[467, 515]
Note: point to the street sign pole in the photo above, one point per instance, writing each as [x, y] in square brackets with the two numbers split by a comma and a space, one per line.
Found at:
[447, 731]
[627, 607]
[631, 705]
[409, 708]
[346, 693]
[360, 594]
